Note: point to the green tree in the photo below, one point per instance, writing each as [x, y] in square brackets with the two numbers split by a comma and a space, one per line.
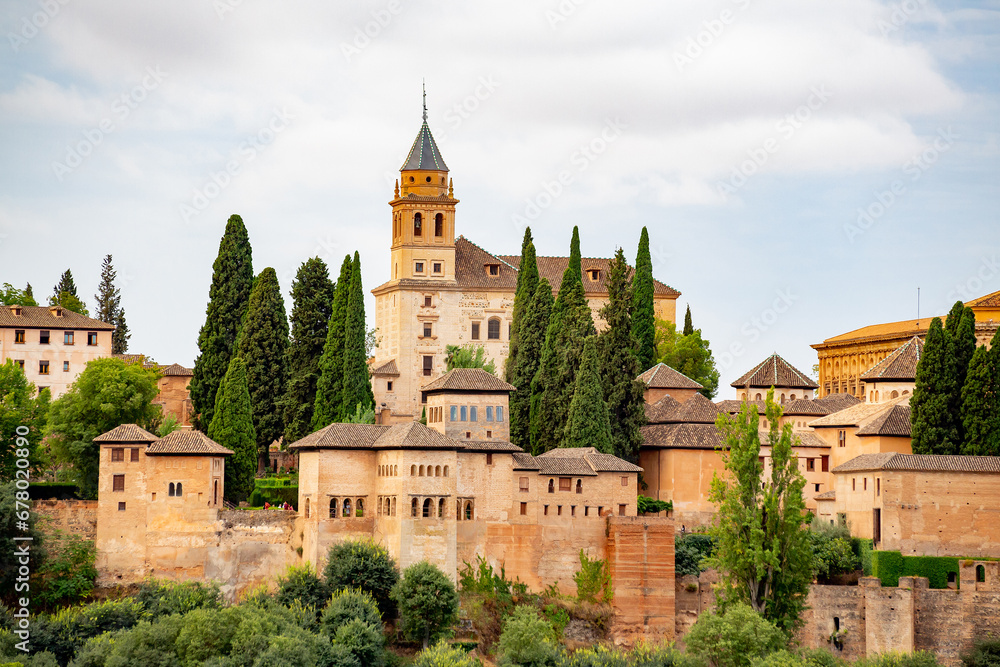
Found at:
[690, 355]
[11, 517]
[330, 386]
[468, 356]
[263, 346]
[934, 425]
[527, 281]
[347, 604]
[688, 326]
[362, 565]
[108, 393]
[312, 304]
[109, 307]
[832, 550]
[427, 601]
[64, 294]
[10, 296]
[121, 335]
[232, 427]
[22, 420]
[575, 260]
[302, 584]
[963, 346]
[763, 552]
[232, 279]
[357, 382]
[644, 315]
[531, 340]
[588, 424]
[980, 406]
[527, 639]
[444, 654]
[733, 637]
[619, 366]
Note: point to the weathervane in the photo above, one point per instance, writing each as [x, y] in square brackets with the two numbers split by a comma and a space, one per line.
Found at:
[423, 83]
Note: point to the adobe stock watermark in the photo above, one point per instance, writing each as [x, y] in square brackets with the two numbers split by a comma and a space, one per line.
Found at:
[364, 34]
[974, 285]
[786, 128]
[562, 12]
[29, 26]
[248, 151]
[22, 543]
[712, 29]
[751, 330]
[914, 168]
[121, 108]
[580, 160]
[327, 249]
[900, 16]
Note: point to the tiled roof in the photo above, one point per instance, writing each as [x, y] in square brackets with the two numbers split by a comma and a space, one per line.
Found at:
[894, 422]
[662, 376]
[921, 463]
[126, 433]
[887, 331]
[346, 436]
[131, 358]
[900, 364]
[609, 463]
[174, 369]
[467, 379]
[553, 269]
[470, 268]
[681, 436]
[775, 372]
[856, 415]
[40, 317]
[805, 439]
[489, 446]
[414, 435]
[988, 301]
[576, 461]
[837, 402]
[732, 406]
[523, 461]
[804, 406]
[657, 413]
[164, 370]
[826, 495]
[411, 435]
[187, 443]
[696, 409]
[424, 153]
[387, 368]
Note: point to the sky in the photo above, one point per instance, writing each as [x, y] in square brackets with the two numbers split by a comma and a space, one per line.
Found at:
[802, 167]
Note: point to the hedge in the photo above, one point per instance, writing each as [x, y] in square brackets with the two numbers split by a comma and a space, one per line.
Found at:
[863, 548]
[50, 490]
[889, 566]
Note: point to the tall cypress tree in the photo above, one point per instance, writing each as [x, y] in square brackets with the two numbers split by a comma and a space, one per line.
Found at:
[357, 382]
[109, 308]
[312, 304]
[954, 318]
[588, 423]
[232, 427]
[535, 324]
[644, 315]
[232, 278]
[527, 281]
[119, 339]
[688, 326]
[263, 347]
[980, 406]
[575, 261]
[935, 428]
[619, 366]
[330, 386]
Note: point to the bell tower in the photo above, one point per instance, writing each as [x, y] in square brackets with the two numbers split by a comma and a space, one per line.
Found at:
[423, 214]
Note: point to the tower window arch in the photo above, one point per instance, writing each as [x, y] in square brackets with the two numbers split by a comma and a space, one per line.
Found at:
[439, 224]
[493, 329]
[418, 224]
[441, 508]
[413, 508]
[427, 508]
[347, 507]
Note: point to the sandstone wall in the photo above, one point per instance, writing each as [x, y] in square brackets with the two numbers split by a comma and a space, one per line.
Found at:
[640, 553]
[73, 517]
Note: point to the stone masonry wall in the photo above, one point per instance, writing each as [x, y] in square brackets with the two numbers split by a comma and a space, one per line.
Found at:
[75, 517]
[641, 558]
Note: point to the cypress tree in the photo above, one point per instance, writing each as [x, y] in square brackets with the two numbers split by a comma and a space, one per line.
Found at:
[527, 281]
[119, 339]
[935, 430]
[995, 364]
[312, 304]
[575, 261]
[263, 347]
[232, 278]
[954, 318]
[357, 382]
[688, 326]
[29, 296]
[644, 316]
[980, 408]
[232, 427]
[618, 365]
[588, 423]
[536, 322]
[330, 386]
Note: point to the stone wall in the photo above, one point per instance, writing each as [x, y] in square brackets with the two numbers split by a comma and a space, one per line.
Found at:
[640, 553]
[253, 548]
[74, 517]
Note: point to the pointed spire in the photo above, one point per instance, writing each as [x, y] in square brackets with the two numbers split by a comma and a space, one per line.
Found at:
[424, 153]
[397, 187]
[451, 187]
[424, 86]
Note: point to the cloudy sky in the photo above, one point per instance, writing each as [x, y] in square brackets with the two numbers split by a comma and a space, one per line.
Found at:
[802, 167]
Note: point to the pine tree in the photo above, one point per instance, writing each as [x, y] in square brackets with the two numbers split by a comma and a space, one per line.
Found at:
[935, 430]
[312, 304]
[109, 308]
[65, 285]
[29, 296]
[688, 326]
[357, 382]
[619, 366]
[980, 406]
[644, 315]
[588, 423]
[527, 281]
[232, 427]
[232, 278]
[535, 324]
[330, 386]
[263, 347]
[121, 335]
[64, 294]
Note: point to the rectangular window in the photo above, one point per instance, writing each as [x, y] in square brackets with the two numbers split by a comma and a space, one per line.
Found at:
[121, 507]
[473, 414]
[68, 338]
[43, 337]
[43, 368]
[489, 413]
[135, 455]
[864, 483]
[418, 267]
[841, 438]
[825, 463]
[427, 301]
[854, 484]
[565, 483]
[427, 330]
[92, 338]
[388, 385]
[494, 269]
[489, 458]
[454, 413]
[586, 510]
[558, 510]
[624, 481]
[475, 331]
[20, 363]
[817, 487]
[878, 486]
[545, 511]
[65, 367]
[464, 411]
[499, 413]
[621, 510]
[489, 433]
[524, 508]
[810, 464]
[19, 336]
[572, 510]
[428, 365]
[523, 484]
[117, 454]
[438, 267]
[118, 483]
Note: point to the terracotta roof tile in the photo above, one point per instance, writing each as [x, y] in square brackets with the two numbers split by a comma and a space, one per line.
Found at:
[900, 364]
[857, 415]
[921, 463]
[489, 446]
[470, 268]
[131, 358]
[804, 406]
[576, 461]
[681, 436]
[126, 433]
[40, 317]
[826, 495]
[386, 368]
[732, 406]
[805, 439]
[775, 372]
[696, 409]
[662, 376]
[988, 301]
[553, 269]
[467, 379]
[174, 370]
[657, 413]
[414, 435]
[523, 461]
[187, 442]
[893, 422]
[346, 436]
[837, 402]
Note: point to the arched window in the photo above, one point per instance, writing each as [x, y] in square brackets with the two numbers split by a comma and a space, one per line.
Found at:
[758, 396]
[333, 508]
[394, 507]
[395, 471]
[468, 510]
[378, 507]
[895, 394]
[905, 392]
[579, 486]
[170, 490]
[413, 508]
[418, 224]
[876, 397]
[427, 508]
[413, 471]
[980, 573]
[493, 329]
[360, 508]
[792, 397]
[388, 510]
[439, 224]
[446, 471]
[347, 507]
[180, 489]
[552, 486]
[441, 508]
[215, 492]
[307, 508]
[458, 510]
[782, 398]
[437, 471]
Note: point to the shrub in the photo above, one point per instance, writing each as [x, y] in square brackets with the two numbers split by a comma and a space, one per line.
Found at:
[366, 643]
[427, 601]
[734, 638]
[781, 658]
[984, 653]
[593, 581]
[889, 566]
[366, 566]
[162, 598]
[690, 552]
[64, 632]
[894, 659]
[527, 639]
[646, 505]
[68, 571]
[347, 605]
[444, 654]
[832, 551]
[302, 584]
[486, 581]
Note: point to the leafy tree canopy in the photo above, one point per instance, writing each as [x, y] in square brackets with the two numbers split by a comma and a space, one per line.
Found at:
[690, 355]
[22, 419]
[468, 356]
[427, 601]
[11, 296]
[232, 427]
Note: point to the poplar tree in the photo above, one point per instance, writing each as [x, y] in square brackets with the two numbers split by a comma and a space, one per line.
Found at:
[980, 406]
[644, 315]
[934, 423]
[312, 304]
[232, 427]
[527, 281]
[330, 386]
[232, 278]
[263, 347]
[533, 328]
[688, 326]
[619, 366]
[588, 423]
[357, 389]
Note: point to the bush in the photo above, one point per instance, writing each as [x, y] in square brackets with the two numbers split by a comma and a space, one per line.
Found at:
[894, 659]
[64, 632]
[889, 566]
[984, 653]
[427, 601]
[832, 551]
[689, 553]
[646, 505]
[366, 566]
[347, 605]
[735, 638]
[444, 654]
[302, 584]
[68, 572]
[366, 643]
[162, 598]
[485, 581]
[781, 658]
[527, 639]
[593, 581]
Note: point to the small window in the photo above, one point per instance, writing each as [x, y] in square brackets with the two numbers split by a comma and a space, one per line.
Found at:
[117, 454]
[489, 413]
[454, 413]
[523, 484]
[493, 269]
[418, 224]
[468, 510]
[473, 414]
[180, 490]
[170, 490]
[864, 482]
[446, 471]
[493, 329]
[622, 509]
[980, 574]
[307, 508]
[413, 471]
[545, 510]
[334, 506]
[439, 225]
[20, 363]
[121, 507]
[552, 486]
[464, 412]
[134, 455]
[437, 471]
[19, 336]
[388, 385]
[878, 486]
[428, 365]
[579, 486]
[65, 367]
[489, 433]
[420, 471]
[43, 368]
[427, 329]
[437, 267]
[118, 483]
[594, 274]
[489, 458]
[428, 301]
[524, 508]
[68, 338]
[854, 484]
[418, 267]
[359, 509]
[441, 508]
[499, 413]
[624, 480]
[565, 483]
[92, 338]
[841, 438]
[572, 510]
[475, 331]
[810, 464]
[43, 337]
[414, 508]
[558, 510]
[817, 487]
